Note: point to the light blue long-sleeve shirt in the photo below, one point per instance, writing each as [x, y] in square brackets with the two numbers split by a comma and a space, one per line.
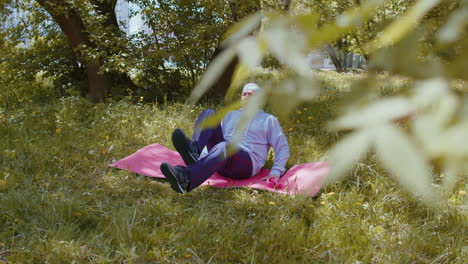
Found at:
[262, 132]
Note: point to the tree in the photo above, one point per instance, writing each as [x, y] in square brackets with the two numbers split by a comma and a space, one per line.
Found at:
[238, 10]
[181, 38]
[33, 50]
[184, 37]
[69, 15]
[188, 34]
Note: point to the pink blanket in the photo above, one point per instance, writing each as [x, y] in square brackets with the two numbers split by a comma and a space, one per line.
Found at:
[306, 179]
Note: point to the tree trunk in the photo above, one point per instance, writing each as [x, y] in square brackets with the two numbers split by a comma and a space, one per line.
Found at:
[221, 86]
[107, 9]
[334, 57]
[344, 61]
[219, 89]
[99, 84]
[287, 5]
[358, 43]
[71, 24]
[73, 27]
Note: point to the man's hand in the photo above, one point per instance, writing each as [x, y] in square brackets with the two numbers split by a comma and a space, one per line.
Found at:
[273, 181]
[270, 178]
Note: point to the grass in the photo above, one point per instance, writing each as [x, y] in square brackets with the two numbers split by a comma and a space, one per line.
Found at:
[60, 203]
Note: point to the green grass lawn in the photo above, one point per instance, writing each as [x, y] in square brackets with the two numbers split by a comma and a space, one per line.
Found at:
[60, 203]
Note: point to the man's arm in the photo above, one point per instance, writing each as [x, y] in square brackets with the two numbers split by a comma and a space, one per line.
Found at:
[278, 141]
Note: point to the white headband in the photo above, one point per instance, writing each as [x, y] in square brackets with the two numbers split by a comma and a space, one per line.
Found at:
[251, 86]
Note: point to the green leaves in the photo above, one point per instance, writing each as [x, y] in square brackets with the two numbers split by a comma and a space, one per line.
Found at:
[430, 109]
[453, 29]
[250, 52]
[396, 152]
[350, 150]
[212, 74]
[241, 29]
[344, 23]
[215, 119]
[428, 105]
[241, 73]
[279, 38]
[376, 113]
[402, 158]
[403, 25]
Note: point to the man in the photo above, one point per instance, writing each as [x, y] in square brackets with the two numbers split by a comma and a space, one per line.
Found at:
[205, 154]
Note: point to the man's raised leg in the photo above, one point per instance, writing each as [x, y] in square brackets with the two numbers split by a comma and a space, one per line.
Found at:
[187, 148]
[208, 137]
[208, 165]
[190, 149]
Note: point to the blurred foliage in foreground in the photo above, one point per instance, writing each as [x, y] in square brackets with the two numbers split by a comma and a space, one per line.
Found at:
[418, 133]
[60, 203]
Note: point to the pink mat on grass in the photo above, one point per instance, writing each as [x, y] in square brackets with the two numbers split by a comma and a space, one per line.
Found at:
[306, 179]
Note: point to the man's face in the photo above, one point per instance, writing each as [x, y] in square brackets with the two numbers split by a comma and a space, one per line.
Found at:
[247, 93]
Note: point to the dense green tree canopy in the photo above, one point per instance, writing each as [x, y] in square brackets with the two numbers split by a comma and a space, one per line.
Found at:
[101, 59]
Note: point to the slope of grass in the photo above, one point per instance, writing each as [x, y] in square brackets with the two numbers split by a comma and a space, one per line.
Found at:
[60, 203]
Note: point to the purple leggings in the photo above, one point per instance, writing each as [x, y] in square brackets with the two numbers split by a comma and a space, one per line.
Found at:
[237, 166]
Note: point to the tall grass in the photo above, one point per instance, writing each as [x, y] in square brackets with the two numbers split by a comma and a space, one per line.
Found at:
[60, 203]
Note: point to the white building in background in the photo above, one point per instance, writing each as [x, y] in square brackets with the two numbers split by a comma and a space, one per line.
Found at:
[12, 20]
[130, 19]
[122, 12]
[320, 60]
[128, 16]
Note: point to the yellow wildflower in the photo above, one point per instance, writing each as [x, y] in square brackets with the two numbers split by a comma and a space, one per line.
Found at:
[271, 203]
[77, 214]
[58, 130]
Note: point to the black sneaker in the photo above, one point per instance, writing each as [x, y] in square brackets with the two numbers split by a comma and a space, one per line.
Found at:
[176, 176]
[186, 147]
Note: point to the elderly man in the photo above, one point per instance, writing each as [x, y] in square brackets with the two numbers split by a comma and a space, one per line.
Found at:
[205, 154]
